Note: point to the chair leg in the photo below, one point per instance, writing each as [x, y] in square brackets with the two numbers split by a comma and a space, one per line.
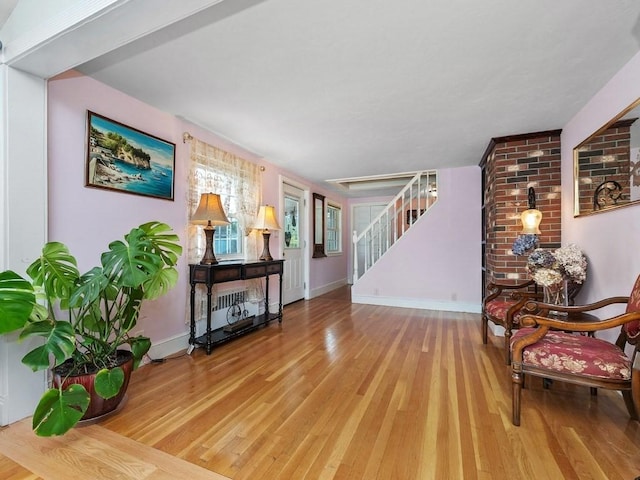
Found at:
[507, 346]
[485, 327]
[594, 391]
[633, 403]
[516, 379]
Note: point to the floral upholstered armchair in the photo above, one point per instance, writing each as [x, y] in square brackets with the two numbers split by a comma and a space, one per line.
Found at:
[559, 274]
[554, 349]
[502, 306]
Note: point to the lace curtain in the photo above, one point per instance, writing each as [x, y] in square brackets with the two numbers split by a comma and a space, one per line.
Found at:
[239, 183]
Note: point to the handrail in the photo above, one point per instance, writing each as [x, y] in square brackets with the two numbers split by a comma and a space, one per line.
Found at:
[389, 225]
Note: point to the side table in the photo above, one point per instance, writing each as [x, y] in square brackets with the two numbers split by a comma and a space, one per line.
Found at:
[210, 275]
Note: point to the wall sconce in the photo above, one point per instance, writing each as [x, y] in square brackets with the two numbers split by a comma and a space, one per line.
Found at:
[266, 221]
[209, 213]
[532, 217]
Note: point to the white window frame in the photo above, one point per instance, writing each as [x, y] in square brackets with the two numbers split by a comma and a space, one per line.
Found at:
[330, 205]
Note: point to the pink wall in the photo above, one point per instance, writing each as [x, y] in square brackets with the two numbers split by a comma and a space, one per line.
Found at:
[87, 219]
[437, 264]
[609, 239]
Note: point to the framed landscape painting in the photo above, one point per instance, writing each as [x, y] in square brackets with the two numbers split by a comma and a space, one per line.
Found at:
[127, 160]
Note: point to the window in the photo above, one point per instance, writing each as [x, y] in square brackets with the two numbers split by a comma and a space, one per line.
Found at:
[227, 240]
[334, 229]
[238, 183]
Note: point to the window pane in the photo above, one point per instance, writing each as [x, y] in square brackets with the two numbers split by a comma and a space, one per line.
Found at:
[291, 222]
[334, 229]
[226, 239]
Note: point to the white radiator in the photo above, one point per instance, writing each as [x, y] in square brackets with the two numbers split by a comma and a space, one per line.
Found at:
[220, 309]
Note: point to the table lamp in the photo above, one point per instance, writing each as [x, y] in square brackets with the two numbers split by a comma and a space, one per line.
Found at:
[266, 221]
[209, 213]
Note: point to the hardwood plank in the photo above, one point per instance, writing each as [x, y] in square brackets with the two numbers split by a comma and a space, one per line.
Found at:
[92, 452]
[342, 391]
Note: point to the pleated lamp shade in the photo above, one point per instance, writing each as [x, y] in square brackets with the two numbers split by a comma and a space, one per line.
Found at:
[209, 213]
[266, 221]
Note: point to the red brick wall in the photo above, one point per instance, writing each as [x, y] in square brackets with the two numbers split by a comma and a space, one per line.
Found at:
[512, 165]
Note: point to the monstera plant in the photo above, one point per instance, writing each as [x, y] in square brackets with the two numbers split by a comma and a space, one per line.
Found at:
[86, 320]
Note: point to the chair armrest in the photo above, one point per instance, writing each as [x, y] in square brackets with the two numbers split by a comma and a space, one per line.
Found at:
[525, 295]
[529, 320]
[536, 307]
[496, 289]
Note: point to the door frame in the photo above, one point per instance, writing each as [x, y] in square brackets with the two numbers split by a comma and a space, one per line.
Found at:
[305, 235]
[352, 225]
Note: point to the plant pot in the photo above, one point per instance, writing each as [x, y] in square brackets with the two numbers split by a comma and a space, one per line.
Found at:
[98, 406]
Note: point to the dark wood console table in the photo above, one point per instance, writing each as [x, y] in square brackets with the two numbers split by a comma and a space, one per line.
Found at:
[231, 271]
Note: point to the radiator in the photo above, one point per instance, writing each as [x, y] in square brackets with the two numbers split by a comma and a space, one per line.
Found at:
[225, 300]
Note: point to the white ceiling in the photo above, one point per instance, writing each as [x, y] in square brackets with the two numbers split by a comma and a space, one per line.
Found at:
[351, 88]
[6, 7]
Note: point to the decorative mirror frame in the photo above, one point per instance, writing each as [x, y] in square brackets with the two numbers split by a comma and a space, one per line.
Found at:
[318, 226]
[614, 183]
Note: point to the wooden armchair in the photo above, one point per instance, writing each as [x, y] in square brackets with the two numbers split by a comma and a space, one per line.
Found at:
[549, 348]
[504, 309]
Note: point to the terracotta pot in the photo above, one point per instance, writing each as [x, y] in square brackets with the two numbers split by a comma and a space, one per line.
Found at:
[98, 406]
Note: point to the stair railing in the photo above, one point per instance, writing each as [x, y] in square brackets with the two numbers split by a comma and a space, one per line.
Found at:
[416, 197]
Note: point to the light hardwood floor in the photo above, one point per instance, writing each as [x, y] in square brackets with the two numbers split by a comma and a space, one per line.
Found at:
[344, 391]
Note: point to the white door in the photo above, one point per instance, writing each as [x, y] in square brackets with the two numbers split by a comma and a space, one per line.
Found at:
[293, 244]
[362, 217]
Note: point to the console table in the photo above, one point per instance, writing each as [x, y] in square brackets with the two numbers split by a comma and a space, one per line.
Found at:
[231, 271]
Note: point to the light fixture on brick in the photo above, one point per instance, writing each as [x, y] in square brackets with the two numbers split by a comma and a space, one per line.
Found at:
[532, 217]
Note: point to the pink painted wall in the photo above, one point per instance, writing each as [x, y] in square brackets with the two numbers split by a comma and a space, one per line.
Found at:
[438, 261]
[609, 239]
[87, 219]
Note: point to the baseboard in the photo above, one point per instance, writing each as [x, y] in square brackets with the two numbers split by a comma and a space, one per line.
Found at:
[316, 292]
[424, 304]
[168, 347]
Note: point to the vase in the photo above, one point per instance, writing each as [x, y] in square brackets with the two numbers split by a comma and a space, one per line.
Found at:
[556, 294]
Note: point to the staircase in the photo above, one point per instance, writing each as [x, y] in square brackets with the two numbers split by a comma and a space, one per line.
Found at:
[413, 201]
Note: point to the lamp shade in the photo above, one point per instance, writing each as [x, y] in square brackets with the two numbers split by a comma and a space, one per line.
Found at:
[531, 219]
[266, 219]
[210, 211]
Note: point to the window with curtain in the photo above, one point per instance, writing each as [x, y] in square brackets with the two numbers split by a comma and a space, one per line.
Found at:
[333, 229]
[238, 182]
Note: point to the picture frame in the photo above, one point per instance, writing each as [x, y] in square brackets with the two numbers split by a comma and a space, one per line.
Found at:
[127, 160]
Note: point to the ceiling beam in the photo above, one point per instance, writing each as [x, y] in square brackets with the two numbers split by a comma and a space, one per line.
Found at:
[90, 28]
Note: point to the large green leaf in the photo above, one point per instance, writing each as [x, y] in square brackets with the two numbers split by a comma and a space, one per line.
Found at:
[108, 382]
[59, 410]
[130, 264]
[59, 341]
[56, 271]
[164, 241]
[131, 309]
[17, 301]
[90, 286]
[160, 283]
[145, 251]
